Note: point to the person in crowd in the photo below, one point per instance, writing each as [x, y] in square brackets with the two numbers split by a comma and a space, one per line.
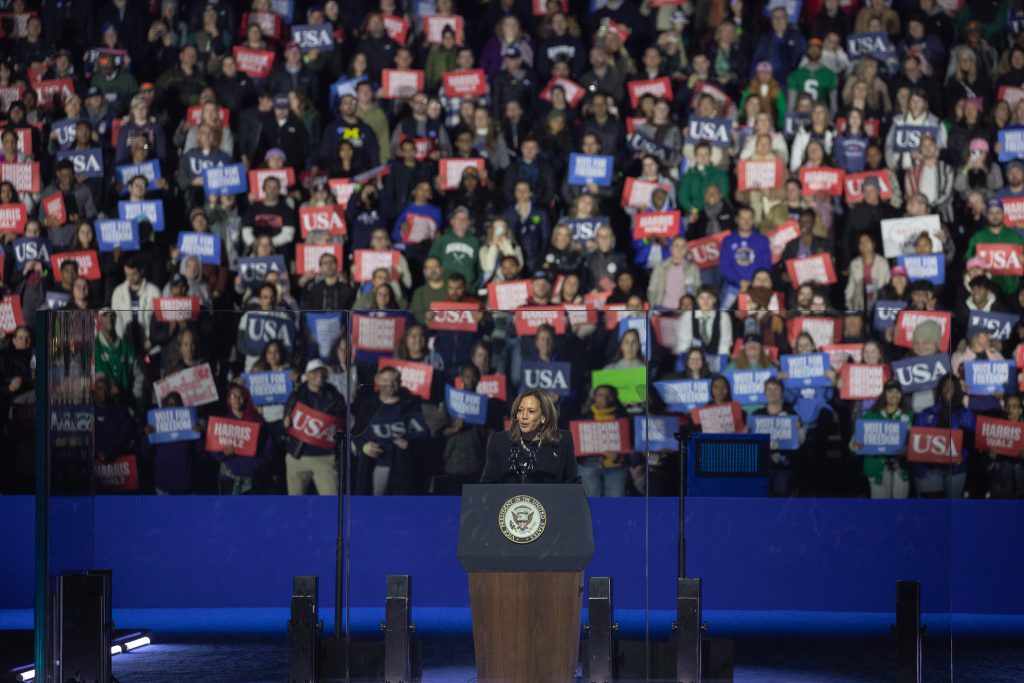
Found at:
[311, 456]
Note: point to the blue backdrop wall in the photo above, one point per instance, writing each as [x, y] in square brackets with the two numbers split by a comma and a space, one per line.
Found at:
[754, 554]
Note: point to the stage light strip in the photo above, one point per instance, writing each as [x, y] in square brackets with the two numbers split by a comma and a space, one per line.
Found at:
[138, 642]
[121, 648]
[28, 675]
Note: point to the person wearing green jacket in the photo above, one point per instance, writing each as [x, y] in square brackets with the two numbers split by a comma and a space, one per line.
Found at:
[690, 196]
[114, 357]
[117, 84]
[996, 233]
[458, 249]
[888, 476]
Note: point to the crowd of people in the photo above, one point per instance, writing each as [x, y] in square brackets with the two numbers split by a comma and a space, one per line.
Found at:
[347, 234]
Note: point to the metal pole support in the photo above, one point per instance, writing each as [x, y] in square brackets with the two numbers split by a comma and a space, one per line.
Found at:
[690, 630]
[397, 627]
[908, 631]
[303, 630]
[601, 629]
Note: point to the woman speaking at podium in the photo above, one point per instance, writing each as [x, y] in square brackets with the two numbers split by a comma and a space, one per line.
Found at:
[533, 450]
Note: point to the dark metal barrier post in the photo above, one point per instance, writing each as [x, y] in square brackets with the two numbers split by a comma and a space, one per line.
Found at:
[397, 627]
[908, 631]
[601, 627]
[42, 567]
[303, 630]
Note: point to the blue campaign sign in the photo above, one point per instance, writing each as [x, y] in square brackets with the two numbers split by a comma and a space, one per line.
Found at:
[117, 233]
[930, 267]
[172, 424]
[805, 370]
[886, 311]
[324, 331]
[876, 44]
[553, 377]
[313, 37]
[584, 229]
[683, 395]
[31, 249]
[908, 138]
[792, 8]
[748, 385]
[989, 377]
[717, 362]
[920, 373]
[151, 210]
[655, 433]
[284, 9]
[257, 329]
[782, 430]
[205, 245]
[998, 325]
[226, 179]
[881, 437]
[793, 122]
[469, 405]
[87, 162]
[342, 87]
[253, 269]
[642, 327]
[591, 168]
[717, 132]
[642, 144]
[150, 170]
[269, 388]
[1011, 141]
[65, 132]
[57, 300]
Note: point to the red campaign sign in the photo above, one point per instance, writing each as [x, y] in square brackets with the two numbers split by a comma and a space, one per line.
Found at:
[258, 176]
[853, 185]
[253, 63]
[342, 189]
[465, 83]
[3, 259]
[706, 251]
[54, 93]
[780, 237]
[817, 269]
[658, 87]
[594, 437]
[24, 175]
[11, 317]
[369, 260]
[434, 26]
[491, 386]
[313, 427]
[1019, 357]
[540, 7]
[580, 314]
[451, 170]
[528, 320]
[776, 304]
[760, 175]
[194, 116]
[269, 23]
[418, 228]
[634, 122]
[397, 28]
[88, 264]
[1013, 211]
[416, 377]
[937, 446]
[115, 129]
[636, 193]
[24, 140]
[328, 218]
[840, 354]
[822, 180]
[908, 321]
[666, 329]
[19, 24]
[823, 330]
[722, 418]
[574, 92]
[239, 435]
[508, 296]
[862, 382]
[399, 84]
[307, 256]
[195, 385]
[656, 224]
[453, 316]
[9, 95]
[176, 308]
[120, 476]
[1001, 437]
[53, 207]
[1002, 259]
[1011, 94]
[376, 333]
[724, 102]
[12, 218]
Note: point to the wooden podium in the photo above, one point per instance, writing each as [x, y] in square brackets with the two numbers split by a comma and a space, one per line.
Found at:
[525, 547]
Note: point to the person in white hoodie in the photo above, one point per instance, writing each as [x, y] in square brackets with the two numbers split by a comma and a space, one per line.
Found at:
[132, 301]
[916, 115]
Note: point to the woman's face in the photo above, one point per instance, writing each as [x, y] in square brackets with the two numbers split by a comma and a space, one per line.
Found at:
[187, 346]
[772, 393]
[382, 297]
[273, 355]
[84, 234]
[1014, 411]
[570, 287]
[529, 415]
[893, 397]
[694, 361]
[804, 344]
[545, 343]
[603, 398]
[80, 289]
[264, 247]
[22, 340]
[871, 354]
[752, 350]
[415, 342]
[236, 400]
[481, 359]
[650, 168]
[6, 194]
[192, 268]
[719, 390]
[865, 245]
[630, 347]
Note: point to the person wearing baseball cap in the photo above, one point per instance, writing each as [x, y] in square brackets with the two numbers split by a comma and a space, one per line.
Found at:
[813, 77]
[310, 457]
[995, 232]
[287, 132]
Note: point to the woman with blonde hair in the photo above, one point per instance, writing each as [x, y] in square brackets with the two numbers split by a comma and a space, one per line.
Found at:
[533, 449]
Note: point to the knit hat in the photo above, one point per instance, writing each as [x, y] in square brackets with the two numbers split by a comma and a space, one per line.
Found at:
[975, 262]
[898, 270]
[928, 331]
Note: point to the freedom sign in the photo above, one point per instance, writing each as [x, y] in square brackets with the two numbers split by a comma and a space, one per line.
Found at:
[398, 84]
[989, 377]
[823, 330]
[720, 418]
[805, 370]
[1001, 437]
[226, 179]
[908, 321]
[859, 382]
[176, 308]
[886, 311]
[465, 83]
[706, 251]
[434, 26]
[596, 437]
[900, 234]
[760, 175]
[195, 386]
[171, 425]
[469, 405]
[854, 185]
[376, 333]
[783, 430]
[241, 436]
[716, 132]
[654, 433]
[656, 225]
[87, 163]
[307, 256]
[313, 427]
[508, 296]
[817, 269]
[658, 87]
[151, 210]
[574, 92]
[555, 378]
[935, 446]
[748, 385]
[11, 317]
[930, 267]
[590, 168]
[823, 180]
[908, 138]
[254, 269]
[1002, 259]
[117, 233]
[780, 237]
[1011, 144]
[921, 373]
[450, 170]
[204, 245]
[416, 377]
[840, 354]
[272, 387]
[636, 193]
[683, 395]
[23, 175]
[881, 437]
[453, 316]
[369, 260]
[999, 326]
[150, 170]
[326, 218]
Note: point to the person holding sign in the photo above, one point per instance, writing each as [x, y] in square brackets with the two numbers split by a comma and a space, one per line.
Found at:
[174, 465]
[888, 476]
[945, 481]
[241, 473]
[605, 474]
[312, 414]
[465, 443]
[533, 449]
[780, 476]
[995, 232]
[1006, 473]
[814, 406]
